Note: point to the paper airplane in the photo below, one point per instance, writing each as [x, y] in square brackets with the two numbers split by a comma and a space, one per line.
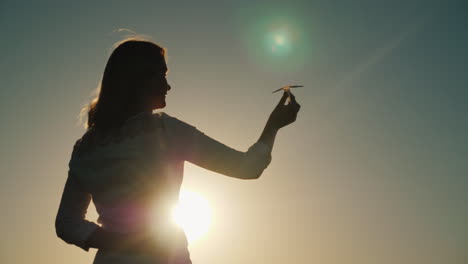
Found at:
[287, 88]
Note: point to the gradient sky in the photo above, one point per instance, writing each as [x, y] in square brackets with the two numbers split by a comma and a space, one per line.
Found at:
[374, 170]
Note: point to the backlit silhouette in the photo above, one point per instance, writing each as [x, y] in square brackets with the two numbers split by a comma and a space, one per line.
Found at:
[130, 162]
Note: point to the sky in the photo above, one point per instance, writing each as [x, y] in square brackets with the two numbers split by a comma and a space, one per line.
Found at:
[374, 170]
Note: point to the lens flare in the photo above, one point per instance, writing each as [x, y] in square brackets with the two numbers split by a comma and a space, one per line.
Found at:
[280, 43]
[279, 39]
[277, 42]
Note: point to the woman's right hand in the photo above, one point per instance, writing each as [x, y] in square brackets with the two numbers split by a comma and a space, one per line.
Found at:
[284, 115]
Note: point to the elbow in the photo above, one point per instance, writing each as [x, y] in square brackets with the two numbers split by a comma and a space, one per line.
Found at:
[252, 175]
[60, 228]
[251, 167]
[74, 230]
[254, 171]
[256, 175]
[244, 174]
[62, 225]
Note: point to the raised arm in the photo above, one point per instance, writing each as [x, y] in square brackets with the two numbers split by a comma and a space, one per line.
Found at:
[215, 156]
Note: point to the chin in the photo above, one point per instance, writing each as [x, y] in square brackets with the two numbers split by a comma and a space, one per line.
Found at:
[159, 105]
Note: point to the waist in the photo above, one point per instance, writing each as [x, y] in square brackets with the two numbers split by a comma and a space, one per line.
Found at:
[134, 216]
[135, 222]
[151, 244]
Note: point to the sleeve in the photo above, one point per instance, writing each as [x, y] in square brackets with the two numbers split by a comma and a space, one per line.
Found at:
[210, 154]
[206, 152]
[70, 223]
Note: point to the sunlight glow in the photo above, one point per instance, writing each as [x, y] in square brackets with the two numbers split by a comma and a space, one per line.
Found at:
[193, 214]
[278, 41]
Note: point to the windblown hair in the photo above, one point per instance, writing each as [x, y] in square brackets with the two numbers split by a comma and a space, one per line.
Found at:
[124, 83]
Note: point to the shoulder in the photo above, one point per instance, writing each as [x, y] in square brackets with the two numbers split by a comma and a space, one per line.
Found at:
[172, 123]
[134, 127]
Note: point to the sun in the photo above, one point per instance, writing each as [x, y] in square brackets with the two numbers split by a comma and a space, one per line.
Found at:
[193, 214]
[279, 39]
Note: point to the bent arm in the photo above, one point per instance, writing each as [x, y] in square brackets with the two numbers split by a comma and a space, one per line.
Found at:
[268, 135]
[210, 154]
[194, 146]
[72, 227]
[70, 223]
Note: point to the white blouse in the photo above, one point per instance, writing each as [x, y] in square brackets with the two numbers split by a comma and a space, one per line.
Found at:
[134, 175]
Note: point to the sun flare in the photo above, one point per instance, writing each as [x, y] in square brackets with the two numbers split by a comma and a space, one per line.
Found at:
[193, 214]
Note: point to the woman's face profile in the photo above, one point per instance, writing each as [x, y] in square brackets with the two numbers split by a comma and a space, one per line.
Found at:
[158, 83]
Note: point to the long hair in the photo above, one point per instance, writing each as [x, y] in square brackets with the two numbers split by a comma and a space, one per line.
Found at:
[124, 83]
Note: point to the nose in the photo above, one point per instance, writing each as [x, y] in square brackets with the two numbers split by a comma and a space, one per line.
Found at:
[168, 87]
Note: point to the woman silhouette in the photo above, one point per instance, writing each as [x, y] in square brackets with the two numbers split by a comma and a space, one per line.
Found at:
[130, 163]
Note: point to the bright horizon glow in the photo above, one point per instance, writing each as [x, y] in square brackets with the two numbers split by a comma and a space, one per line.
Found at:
[193, 214]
